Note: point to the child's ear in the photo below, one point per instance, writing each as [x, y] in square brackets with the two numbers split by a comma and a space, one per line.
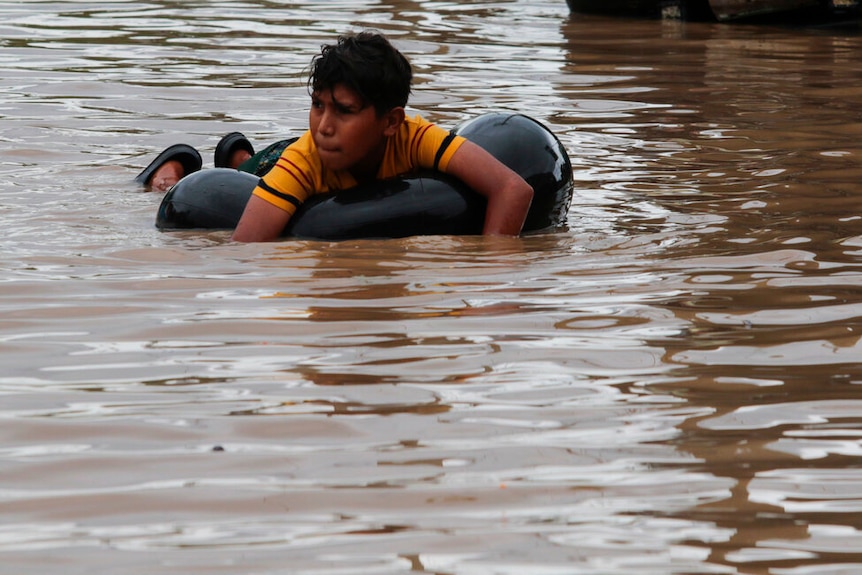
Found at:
[394, 118]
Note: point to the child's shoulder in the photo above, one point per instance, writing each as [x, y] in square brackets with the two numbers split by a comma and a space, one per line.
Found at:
[416, 120]
[416, 124]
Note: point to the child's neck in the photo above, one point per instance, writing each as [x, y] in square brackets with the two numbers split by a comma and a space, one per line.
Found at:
[363, 174]
[367, 170]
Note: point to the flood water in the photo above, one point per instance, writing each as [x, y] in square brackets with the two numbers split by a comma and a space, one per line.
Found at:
[671, 385]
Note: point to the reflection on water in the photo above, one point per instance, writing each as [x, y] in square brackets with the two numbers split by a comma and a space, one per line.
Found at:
[668, 386]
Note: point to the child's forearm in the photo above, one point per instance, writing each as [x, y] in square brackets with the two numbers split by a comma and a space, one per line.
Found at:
[508, 209]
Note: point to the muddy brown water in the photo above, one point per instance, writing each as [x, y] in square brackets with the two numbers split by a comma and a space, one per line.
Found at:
[669, 385]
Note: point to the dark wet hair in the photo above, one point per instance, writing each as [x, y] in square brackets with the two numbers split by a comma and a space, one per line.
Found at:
[367, 64]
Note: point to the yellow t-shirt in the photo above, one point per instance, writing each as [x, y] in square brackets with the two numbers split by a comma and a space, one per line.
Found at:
[298, 174]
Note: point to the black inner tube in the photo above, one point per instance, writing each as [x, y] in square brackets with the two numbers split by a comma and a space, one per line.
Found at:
[429, 203]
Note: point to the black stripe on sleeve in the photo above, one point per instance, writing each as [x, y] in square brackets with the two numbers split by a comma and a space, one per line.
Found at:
[442, 149]
[286, 197]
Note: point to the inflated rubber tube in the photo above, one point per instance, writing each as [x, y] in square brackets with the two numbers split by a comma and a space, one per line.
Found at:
[426, 204]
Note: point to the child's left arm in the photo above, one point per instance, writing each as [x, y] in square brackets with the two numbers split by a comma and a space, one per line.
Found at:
[508, 195]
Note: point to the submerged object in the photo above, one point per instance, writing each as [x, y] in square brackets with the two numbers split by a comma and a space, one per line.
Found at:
[430, 203]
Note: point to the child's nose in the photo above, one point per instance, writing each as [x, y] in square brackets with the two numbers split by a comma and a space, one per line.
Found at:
[327, 125]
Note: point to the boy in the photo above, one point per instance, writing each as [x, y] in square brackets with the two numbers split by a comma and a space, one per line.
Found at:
[358, 132]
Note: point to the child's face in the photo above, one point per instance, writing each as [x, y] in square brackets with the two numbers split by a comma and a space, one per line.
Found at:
[348, 134]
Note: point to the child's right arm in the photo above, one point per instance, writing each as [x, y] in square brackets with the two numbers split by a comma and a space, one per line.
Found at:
[260, 222]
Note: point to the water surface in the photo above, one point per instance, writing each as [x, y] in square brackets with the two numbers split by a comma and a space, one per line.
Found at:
[668, 385]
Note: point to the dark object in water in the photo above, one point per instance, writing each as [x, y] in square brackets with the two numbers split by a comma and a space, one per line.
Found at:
[762, 11]
[183, 153]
